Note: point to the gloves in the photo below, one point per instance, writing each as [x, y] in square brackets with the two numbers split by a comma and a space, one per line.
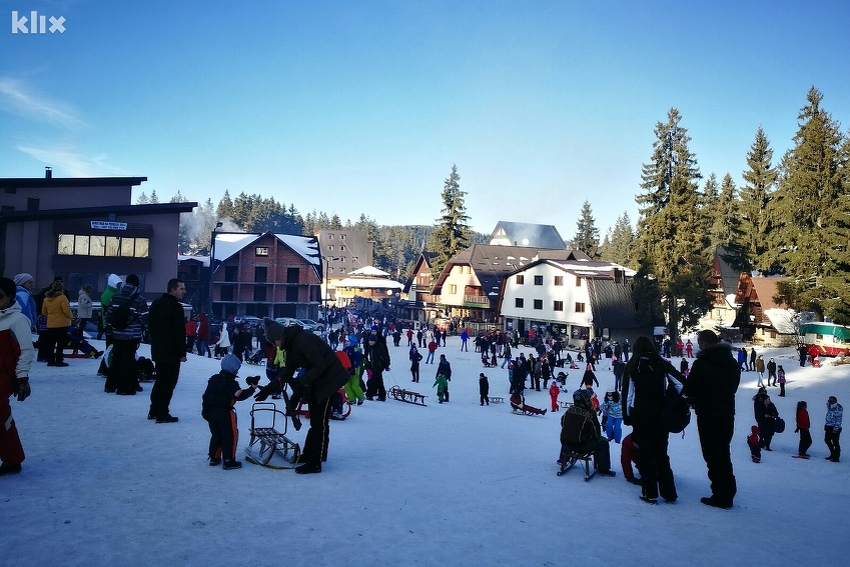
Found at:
[265, 392]
[21, 388]
[252, 380]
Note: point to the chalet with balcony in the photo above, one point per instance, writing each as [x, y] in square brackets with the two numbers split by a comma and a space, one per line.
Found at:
[760, 319]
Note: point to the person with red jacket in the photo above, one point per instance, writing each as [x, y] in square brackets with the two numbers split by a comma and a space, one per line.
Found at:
[554, 390]
[191, 332]
[203, 335]
[630, 453]
[803, 425]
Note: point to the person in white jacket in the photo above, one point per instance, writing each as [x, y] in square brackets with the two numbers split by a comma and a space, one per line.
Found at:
[16, 352]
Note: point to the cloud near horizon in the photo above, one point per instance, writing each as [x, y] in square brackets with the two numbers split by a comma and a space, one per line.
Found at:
[17, 97]
[72, 163]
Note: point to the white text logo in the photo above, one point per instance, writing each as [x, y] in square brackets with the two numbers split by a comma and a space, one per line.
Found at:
[37, 24]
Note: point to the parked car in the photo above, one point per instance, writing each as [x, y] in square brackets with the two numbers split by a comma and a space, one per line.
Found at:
[316, 326]
[287, 321]
[247, 320]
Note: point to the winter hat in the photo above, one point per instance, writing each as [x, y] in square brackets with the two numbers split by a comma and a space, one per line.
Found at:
[7, 286]
[273, 329]
[581, 398]
[21, 279]
[133, 280]
[114, 281]
[230, 363]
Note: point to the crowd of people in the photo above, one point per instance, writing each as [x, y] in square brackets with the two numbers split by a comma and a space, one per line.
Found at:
[347, 362]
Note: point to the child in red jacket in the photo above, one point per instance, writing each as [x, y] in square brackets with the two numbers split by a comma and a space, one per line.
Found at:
[554, 390]
[803, 425]
[754, 443]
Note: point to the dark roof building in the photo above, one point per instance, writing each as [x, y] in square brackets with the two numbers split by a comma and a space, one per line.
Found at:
[526, 235]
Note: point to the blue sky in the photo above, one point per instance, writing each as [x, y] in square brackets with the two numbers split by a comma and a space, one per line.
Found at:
[349, 107]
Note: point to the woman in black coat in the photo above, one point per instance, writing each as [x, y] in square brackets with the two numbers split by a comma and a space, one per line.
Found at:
[766, 414]
[644, 385]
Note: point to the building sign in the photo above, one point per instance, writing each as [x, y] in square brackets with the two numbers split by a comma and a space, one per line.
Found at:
[577, 332]
[107, 225]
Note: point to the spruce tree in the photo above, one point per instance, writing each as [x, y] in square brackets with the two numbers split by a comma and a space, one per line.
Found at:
[620, 248]
[726, 231]
[587, 235]
[451, 233]
[673, 228]
[756, 195]
[816, 214]
[225, 207]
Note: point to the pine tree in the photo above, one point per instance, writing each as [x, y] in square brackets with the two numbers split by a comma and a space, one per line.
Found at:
[756, 196]
[726, 231]
[621, 243]
[673, 245]
[451, 233]
[154, 199]
[587, 235]
[142, 199]
[225, 207]
[814, 207]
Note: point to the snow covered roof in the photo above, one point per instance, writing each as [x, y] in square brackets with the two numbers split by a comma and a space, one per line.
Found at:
[369, 283]
[782, 320]
[229, 243]
[369, 271]
[204, 260]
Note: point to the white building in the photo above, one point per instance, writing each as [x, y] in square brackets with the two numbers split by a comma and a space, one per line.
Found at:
[576, 299]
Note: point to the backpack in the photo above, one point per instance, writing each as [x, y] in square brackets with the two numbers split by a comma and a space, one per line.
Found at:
[121, 315]
[676, 414]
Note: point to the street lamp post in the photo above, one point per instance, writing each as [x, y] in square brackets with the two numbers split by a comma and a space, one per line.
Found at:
[327, 260]
[212, 265]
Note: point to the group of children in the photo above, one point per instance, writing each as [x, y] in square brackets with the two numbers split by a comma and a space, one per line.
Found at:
[757, 439]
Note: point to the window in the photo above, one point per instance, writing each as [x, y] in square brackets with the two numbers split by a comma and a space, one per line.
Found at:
[468, 269]
[579, 307]
[330, 247]
[227, 292]
[342, 237]
[261, 275]
[330, 236]
[292, 275]
[260, 293]
[519, 302]
[261, 251]
[99, 245]
[520, 280]
[578, 281]
[538, 304]
[558, 306]
[292, 294]
[559, 280]
[538, 280]
[341, 247]
[453, 289]
[231, 273]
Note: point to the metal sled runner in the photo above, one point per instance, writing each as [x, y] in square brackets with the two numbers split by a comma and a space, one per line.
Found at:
[570, 458]
[267, 441]
[403, 395]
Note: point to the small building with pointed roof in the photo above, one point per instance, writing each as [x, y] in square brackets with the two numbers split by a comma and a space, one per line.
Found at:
[526, 235]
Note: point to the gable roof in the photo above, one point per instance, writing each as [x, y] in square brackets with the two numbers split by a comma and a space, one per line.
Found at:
[424, 258]
[611, 304]
[229, 243]
[526, 235]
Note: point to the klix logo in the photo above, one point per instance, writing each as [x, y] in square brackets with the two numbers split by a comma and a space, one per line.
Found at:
[37, 24]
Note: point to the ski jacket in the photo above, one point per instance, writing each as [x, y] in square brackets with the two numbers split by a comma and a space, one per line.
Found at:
[803, 419]
[323, 372]
[84, 306]
[834, 415]
[645, 385]
[16, 350]
[112, 285]
[713, 381]
[27, 303]
[223, 391]
[57, 310]
[167, 331]
[578, 426]
[138, 314]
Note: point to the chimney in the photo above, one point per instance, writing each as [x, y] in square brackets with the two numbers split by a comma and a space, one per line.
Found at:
[48, 172]
[617, 274]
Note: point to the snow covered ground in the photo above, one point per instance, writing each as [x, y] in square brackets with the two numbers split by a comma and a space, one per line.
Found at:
[452, 484]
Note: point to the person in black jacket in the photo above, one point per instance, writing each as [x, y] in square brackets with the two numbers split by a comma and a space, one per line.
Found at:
[222, 393]
[712, 384]
[168, 348]
[444, 367]
[644, 385]
[323, 375]
[379, 358]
